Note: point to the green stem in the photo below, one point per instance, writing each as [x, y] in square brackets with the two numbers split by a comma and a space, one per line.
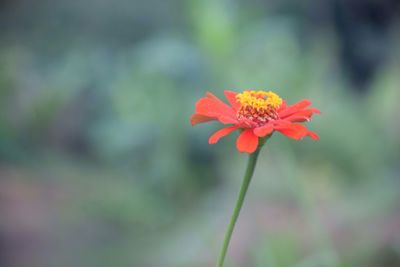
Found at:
[243, 189]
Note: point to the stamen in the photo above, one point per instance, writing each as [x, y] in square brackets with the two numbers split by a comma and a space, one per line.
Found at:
[258, 106]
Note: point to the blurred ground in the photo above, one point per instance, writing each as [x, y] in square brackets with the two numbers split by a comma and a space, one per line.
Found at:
[100, 167]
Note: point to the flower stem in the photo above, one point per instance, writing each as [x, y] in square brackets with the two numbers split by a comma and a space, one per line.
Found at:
[239, 202]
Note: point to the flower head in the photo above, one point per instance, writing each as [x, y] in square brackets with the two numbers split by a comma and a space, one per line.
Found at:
[257, 114]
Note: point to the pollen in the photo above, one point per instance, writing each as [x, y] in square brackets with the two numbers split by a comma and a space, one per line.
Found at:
[258, 106]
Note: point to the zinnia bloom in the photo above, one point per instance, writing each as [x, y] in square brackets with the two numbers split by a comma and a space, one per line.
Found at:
[257, 114]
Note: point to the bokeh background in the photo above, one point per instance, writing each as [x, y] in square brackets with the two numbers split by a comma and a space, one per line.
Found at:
[99, 165]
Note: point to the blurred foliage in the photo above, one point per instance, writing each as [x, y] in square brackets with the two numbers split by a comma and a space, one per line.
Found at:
[95, 100]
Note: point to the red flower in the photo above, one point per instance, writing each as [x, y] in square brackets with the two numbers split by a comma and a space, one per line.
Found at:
[257, 113]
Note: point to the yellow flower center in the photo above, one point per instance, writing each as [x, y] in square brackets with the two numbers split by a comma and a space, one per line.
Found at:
[258, 106]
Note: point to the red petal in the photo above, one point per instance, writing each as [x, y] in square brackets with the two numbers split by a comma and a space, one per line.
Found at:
[221, 133]
[292, 130]
[313, 135]
[284, 112]
[211, 106]
[197, 118]
[227, 120]
[231, 96]
[296, 118]
[247, 141]
[302, 115]
[295, 130]
[264, 130]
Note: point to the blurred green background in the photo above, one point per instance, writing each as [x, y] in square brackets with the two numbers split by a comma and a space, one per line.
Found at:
[99, 165]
